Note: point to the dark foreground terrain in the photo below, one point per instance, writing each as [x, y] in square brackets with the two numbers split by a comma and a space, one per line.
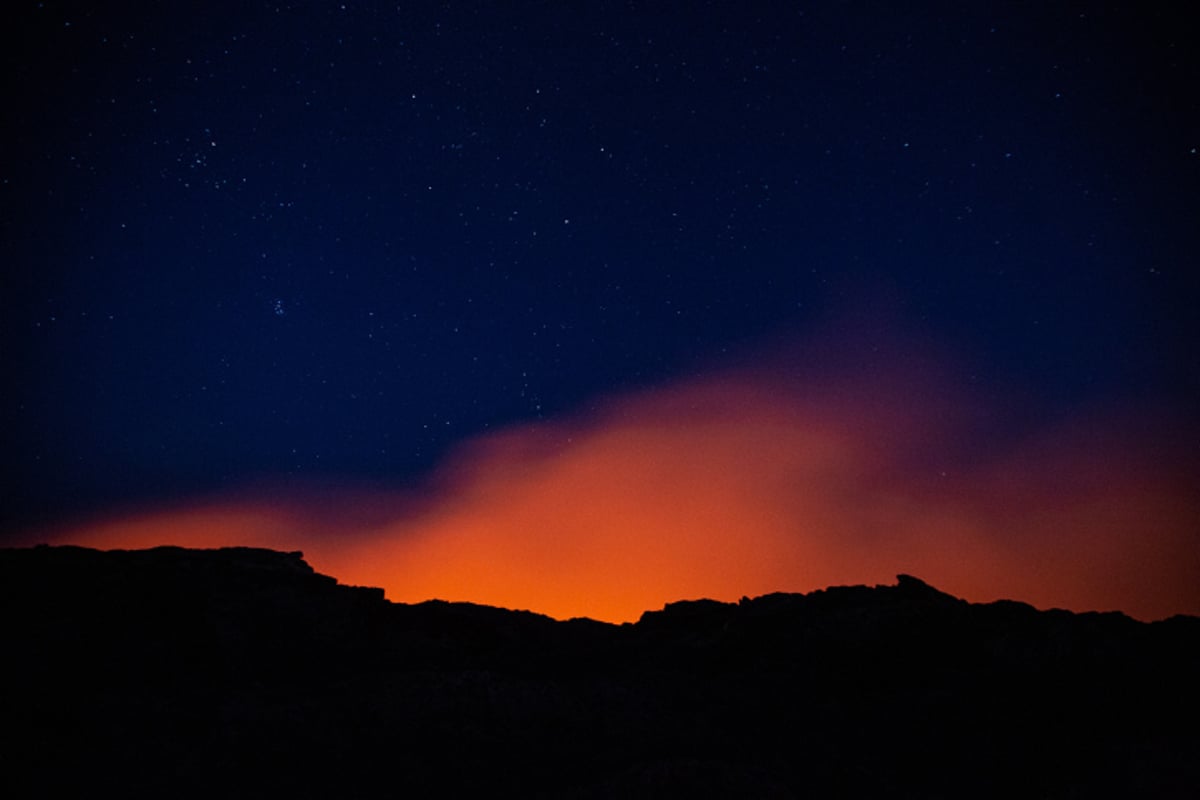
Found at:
[242, 673]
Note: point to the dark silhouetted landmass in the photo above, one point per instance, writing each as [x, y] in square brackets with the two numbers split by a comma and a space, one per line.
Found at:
[242, 673]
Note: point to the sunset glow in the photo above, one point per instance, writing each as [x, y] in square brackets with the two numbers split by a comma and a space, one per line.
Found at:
[744, 482]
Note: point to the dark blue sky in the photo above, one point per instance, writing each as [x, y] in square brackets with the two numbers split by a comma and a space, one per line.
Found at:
[247, 240]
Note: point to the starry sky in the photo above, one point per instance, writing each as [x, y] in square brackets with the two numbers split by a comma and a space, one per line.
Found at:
[361, 269]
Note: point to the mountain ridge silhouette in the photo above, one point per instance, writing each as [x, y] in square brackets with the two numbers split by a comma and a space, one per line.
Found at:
[244, 672]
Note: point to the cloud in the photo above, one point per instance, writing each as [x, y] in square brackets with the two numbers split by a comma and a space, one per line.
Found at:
[845, 458]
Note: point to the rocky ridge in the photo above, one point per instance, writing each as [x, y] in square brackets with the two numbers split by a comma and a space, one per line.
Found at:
[244, 673]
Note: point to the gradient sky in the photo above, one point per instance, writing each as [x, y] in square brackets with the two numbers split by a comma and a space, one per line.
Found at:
[588, 306]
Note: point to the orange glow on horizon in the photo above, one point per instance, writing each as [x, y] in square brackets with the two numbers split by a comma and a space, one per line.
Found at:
[745, 482]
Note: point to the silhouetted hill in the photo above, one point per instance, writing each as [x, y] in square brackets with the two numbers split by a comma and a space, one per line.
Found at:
[243, 673]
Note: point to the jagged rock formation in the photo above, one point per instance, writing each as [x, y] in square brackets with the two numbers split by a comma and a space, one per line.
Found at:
[242, 673]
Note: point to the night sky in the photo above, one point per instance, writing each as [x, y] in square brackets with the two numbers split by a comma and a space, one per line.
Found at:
[515, 288]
